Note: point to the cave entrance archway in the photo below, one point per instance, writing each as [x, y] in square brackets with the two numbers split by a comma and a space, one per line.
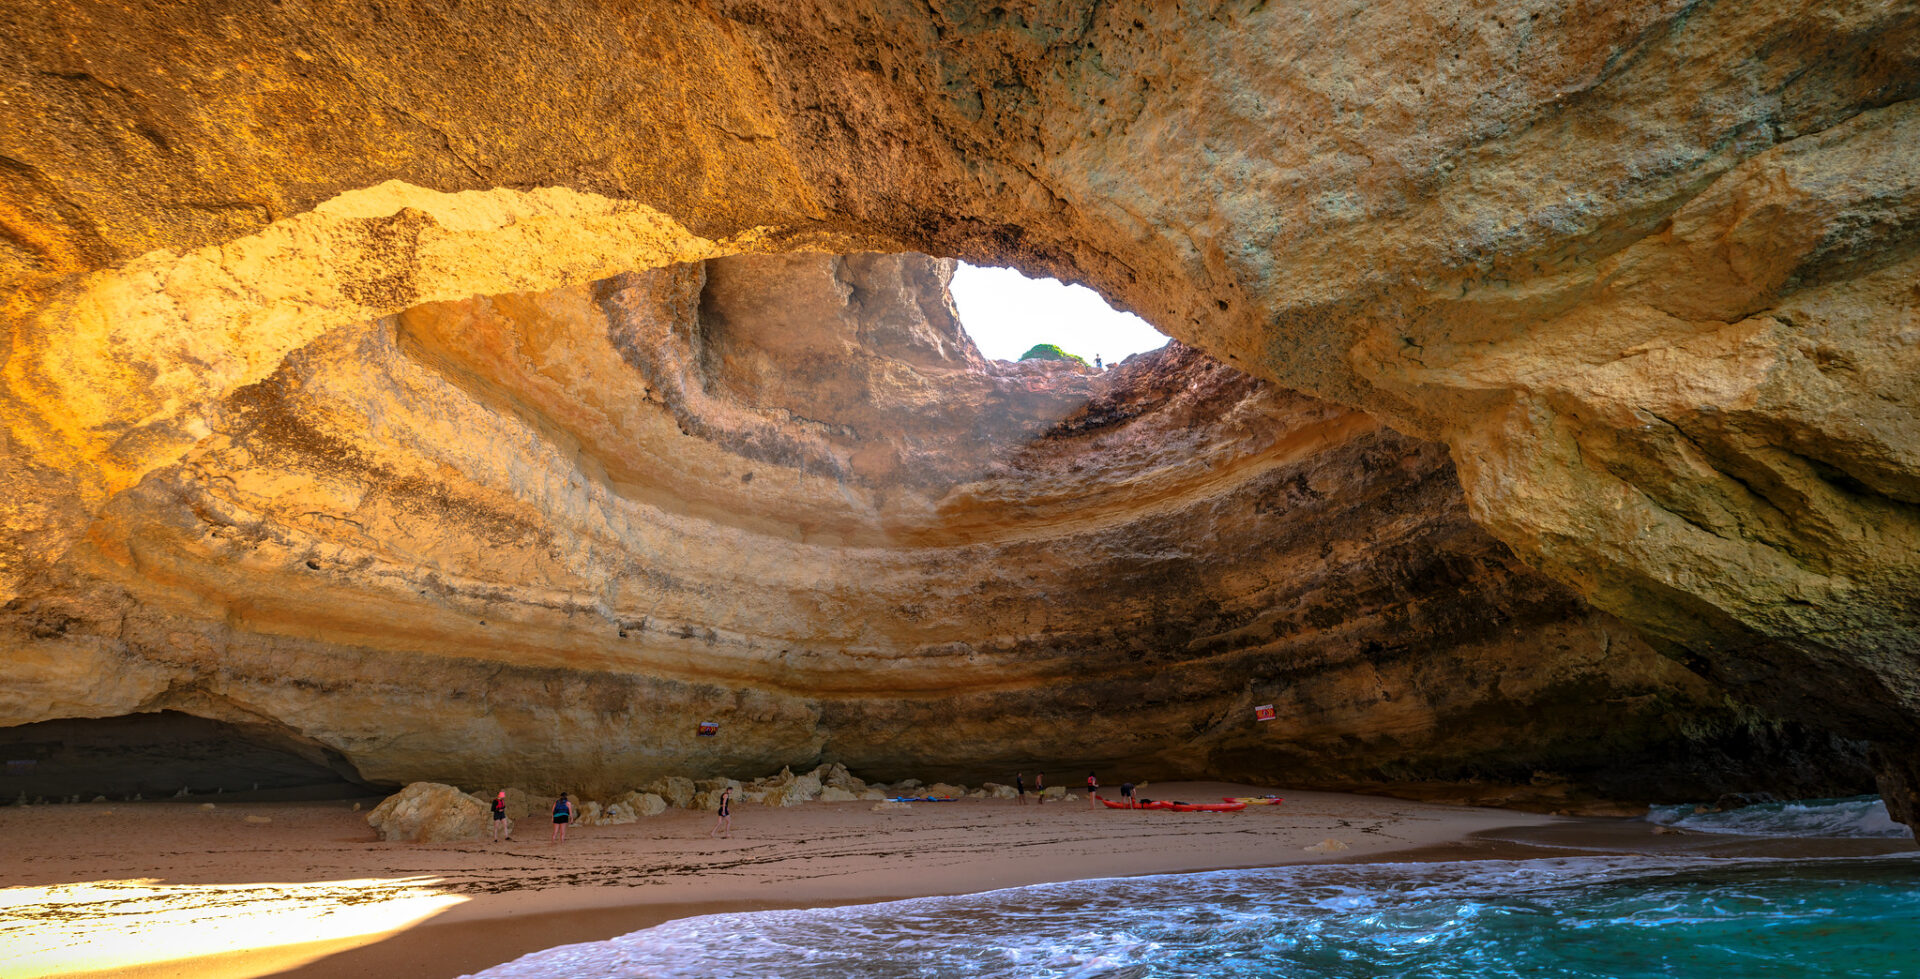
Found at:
[157, 755]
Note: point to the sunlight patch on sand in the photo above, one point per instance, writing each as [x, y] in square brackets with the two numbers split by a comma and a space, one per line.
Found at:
[103, 925]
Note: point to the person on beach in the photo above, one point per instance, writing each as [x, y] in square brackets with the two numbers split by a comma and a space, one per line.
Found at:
[562, 814]
[1126, 794]
[1039, 787]
[500, 816]
[1020, 788]
[1093, 791]
[725, 819]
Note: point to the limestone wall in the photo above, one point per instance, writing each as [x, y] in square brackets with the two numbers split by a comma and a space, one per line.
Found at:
[1646, 269]
[538, 538]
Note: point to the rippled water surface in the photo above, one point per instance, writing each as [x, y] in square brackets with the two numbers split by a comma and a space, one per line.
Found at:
[1618, 917]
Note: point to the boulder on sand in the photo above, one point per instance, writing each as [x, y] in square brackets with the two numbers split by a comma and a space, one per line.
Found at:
[677, 790]
[428, 812]
[519, 804]
[708, 798]
[836, 776]
[784, 789]
[647, 803]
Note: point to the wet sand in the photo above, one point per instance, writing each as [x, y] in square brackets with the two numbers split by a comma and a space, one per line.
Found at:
[172, 889]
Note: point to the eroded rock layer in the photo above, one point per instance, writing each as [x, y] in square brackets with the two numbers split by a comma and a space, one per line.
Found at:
[1646, 268]
[537, 538]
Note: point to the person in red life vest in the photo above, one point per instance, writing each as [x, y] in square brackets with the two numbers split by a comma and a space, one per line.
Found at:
[500, 816]
[1093, 791]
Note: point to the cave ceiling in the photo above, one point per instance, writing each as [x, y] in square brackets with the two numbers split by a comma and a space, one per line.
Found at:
[1634, 283]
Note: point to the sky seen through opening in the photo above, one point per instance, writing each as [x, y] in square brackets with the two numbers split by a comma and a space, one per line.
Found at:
[1006, 313]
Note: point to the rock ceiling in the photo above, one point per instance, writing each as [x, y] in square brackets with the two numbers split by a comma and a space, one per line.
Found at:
[1646, 271]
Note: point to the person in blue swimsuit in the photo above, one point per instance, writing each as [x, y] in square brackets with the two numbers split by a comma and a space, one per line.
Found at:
[562, 815]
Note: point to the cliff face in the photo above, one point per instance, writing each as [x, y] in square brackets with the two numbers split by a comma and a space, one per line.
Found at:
[543, 536]
[1646, 269]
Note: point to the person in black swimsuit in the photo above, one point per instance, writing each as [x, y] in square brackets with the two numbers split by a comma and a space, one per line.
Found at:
[1126, 794]
[1093, 791]
[1020, 788]
[725, 820]
[500, 816]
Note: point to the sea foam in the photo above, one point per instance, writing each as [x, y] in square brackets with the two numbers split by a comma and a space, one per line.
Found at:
[1861, 817]
[1614, 917]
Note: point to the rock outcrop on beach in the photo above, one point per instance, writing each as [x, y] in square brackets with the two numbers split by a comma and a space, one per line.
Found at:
[1632, 285]
[428, 812]
[423, 809]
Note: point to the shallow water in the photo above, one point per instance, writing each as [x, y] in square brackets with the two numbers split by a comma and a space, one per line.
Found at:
[1618, 917]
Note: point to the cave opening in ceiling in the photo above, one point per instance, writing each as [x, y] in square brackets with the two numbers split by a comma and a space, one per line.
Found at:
[1007, 313]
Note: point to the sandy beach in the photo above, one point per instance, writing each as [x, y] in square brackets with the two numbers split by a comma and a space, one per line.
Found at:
[305, 889]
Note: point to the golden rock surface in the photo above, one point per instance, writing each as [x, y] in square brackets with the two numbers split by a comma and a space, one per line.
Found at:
[537, 538]
[1646, 269]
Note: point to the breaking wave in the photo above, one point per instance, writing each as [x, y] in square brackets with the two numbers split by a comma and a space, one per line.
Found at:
[1619, 917]
[1861, 817]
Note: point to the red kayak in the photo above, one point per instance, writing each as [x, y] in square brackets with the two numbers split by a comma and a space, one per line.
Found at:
[1177, 806]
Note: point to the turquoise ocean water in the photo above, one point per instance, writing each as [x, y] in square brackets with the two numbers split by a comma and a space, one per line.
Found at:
[1621, 916]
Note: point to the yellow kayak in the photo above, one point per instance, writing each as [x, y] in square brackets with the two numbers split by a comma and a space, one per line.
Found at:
[1252, 800]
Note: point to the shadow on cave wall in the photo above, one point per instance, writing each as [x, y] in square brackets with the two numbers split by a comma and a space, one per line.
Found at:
[157, 755]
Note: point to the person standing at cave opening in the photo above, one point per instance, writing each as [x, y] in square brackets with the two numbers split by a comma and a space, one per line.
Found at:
[723, 822]
[500, 817]
[1020, 788]
[1039, 788]
[562, 815]
[1093, 791]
